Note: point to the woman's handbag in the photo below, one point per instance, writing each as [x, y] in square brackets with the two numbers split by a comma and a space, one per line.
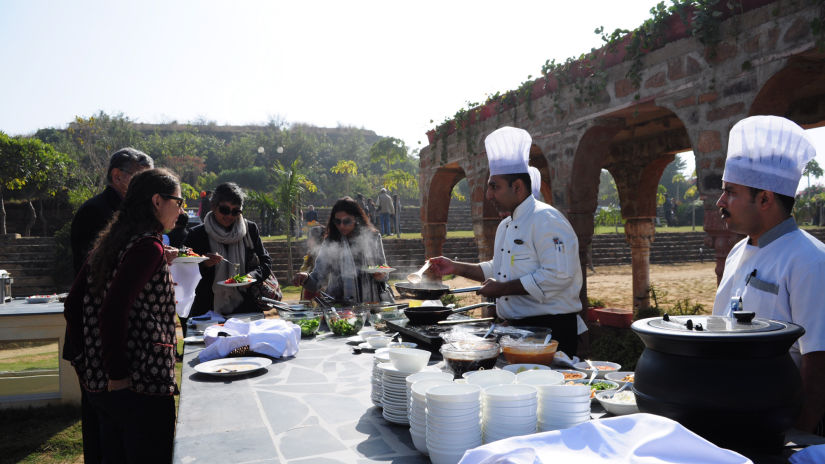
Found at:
[269, 288]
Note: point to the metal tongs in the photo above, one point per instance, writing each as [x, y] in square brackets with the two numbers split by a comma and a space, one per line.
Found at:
[325, 300]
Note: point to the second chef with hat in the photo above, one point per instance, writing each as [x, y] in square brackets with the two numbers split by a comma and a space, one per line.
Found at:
[776, 271]
[535, 274]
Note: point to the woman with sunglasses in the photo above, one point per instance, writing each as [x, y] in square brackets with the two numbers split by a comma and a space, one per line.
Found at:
[120, 324]
[226, 235]
[352, 244]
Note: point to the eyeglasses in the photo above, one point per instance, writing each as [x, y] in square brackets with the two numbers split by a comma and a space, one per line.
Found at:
[223, 209]
[345, 221]
[172, 197]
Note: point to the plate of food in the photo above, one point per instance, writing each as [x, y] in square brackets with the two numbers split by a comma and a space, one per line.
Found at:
[376, 269]
[186, 255]
[238, 281]
[228, 367]
[41, 298]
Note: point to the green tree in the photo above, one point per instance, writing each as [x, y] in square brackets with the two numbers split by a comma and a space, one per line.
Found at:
[13, 172]
[49, 174]
[388, 151]
[608, 193]
[290, 184]
[348, 169]
[812, 169]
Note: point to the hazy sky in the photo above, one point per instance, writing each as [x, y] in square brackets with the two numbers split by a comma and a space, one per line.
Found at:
[389, 66]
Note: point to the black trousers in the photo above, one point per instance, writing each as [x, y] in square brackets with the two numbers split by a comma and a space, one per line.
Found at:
[91, 430]
[135, 428]
[563, 326]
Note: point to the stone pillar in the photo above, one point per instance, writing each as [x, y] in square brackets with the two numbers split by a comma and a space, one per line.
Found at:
[485, 233]
[583, 226]
[719, 238]
[639, 232]
[434, 234]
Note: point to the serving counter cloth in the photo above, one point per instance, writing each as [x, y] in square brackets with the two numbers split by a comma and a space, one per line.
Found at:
[186, 277]
[270, 337]
[637, 438]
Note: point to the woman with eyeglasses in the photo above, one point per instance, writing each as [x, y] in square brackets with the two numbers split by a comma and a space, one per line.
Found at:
[120, 324]
[352, 245]
[226, 235]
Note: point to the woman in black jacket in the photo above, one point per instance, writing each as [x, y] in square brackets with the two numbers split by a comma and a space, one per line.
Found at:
[226, 235]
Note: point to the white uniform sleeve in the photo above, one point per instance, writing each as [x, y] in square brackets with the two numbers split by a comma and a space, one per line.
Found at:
[806, 296]
[558, 255]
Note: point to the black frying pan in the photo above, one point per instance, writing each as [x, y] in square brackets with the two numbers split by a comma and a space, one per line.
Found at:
[428, 290]
[427, 315]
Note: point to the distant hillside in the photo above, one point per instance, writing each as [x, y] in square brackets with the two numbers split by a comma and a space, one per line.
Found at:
[227, 132]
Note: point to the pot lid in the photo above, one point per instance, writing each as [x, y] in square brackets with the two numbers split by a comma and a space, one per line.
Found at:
[714, 324]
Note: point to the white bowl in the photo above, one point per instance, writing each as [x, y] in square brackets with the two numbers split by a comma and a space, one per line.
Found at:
[378, 341]
[454, 392]
[490, 377]
[507, 393]
[571, 374]
[565, 390]
[619, 376]
[420, 387]
[519, 368]
[602, 367]
[613, 386]
[402, 345]
[455, 408]
[419, 441]
[614, 407]
[409, 360]
[565, 407]
[520, 411]
[540, 377]
[581, 400]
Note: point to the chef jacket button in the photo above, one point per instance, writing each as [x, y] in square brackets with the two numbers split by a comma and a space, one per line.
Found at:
[506, 299]
[508, 251]
[502, 249]
[516, 227]
[505, 276]
[499, 273]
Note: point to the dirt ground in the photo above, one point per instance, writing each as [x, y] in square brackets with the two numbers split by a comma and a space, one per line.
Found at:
[613, 284]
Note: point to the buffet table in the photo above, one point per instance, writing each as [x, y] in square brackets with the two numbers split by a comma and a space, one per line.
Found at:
[313, 406]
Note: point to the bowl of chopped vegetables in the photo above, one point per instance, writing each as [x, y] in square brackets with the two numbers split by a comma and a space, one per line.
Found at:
[598, 385]
[618, 404]
[345, 321]
[309, 321]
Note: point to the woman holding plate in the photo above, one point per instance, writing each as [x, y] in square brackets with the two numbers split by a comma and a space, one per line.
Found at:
[345, 263]
[233, 246]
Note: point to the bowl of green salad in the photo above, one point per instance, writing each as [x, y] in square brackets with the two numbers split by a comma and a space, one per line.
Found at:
[309, 321]
[345, 321]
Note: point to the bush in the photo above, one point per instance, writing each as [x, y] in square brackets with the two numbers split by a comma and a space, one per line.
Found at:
[618, 345]
[63, 266]
[595, 302]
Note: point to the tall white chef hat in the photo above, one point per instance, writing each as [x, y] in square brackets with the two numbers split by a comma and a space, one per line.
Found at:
[535, 182]
[768, 153]
[508, 150]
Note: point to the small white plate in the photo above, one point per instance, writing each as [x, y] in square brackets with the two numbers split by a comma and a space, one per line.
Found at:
[241, 284]
[376, 270]
[365, 346]
[190, 259]
[355, 339]
[193, 339]
[40, 299]
[230, 367]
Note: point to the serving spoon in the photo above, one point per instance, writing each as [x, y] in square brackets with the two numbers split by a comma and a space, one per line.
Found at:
[418, 275]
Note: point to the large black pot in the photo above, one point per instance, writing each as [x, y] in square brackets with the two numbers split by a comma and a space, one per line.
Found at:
[732, 382]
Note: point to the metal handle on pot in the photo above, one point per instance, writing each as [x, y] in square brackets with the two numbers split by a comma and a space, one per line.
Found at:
[465, 290]
[469, 307]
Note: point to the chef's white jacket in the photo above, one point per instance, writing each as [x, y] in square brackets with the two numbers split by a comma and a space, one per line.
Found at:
[783, 278]
[538, 246]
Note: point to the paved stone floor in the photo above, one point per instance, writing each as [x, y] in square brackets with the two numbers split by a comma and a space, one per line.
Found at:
[314, 407]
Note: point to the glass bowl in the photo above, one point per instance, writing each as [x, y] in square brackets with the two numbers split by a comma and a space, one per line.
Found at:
[468, 355]
[345, 321]
[309, 321]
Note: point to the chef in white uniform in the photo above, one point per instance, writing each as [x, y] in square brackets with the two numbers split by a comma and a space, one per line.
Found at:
[535, 273]
[778, 271]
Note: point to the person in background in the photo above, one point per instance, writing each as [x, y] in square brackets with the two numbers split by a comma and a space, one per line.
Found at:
[311, 216]
[315, 238]
[776, 271]
[371, 211]
[535, 274]
[96, 212]
[385, 211]
[226, 235]
[178, 235]
[120, 319]
[351, 246]
[88, 221]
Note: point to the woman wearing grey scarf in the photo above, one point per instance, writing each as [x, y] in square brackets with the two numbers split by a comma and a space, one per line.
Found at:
[352, 244]
[226, 235]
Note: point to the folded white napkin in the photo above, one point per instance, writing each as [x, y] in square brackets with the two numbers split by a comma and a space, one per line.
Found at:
[270, 337]
[562, 360]
[636, 438]
[186, 276]
[814, 454]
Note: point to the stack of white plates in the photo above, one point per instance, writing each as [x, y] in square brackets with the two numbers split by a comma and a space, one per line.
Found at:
[488, 378]
[508, 411]
[562, 406]
[418, 407]
[429, 372]
[394, 393]
[381, 356]
[453, 422]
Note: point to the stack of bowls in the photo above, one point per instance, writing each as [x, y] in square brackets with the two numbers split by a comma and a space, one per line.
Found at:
[489, 378]
[418, 407]
[453, 421]
[562, 406]
[381, 356]
[508, 411]
[394, 393]
[429, 372]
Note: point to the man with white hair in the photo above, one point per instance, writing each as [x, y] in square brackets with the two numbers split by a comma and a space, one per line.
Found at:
[777, 270]
[385, 210]
[535, 274]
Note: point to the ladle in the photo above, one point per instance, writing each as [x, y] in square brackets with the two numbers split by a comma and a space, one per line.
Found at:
[547, 339]
[418, 275]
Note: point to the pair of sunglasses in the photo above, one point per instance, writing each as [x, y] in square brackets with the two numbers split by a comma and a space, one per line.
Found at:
[179, 200]
[345, 221]
[223, 209]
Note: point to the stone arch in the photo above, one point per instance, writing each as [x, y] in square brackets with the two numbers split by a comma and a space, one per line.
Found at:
[538, 161]
[435, 207]
[797, 91]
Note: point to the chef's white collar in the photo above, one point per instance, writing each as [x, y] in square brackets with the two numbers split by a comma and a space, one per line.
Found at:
[525, 206]
[785, 227]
